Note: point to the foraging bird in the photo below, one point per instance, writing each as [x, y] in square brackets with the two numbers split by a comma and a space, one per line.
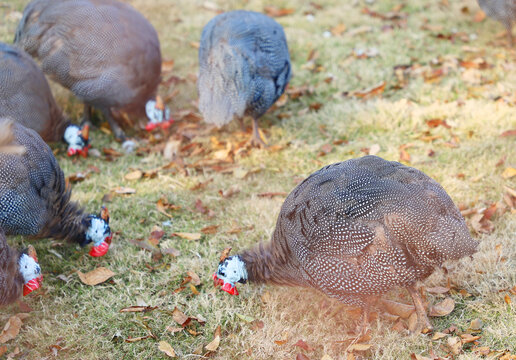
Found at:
[19, 272]
[34, 197]
[503, 11]
[244, 67]
[104, 51]
[26, 98]
[354, 230]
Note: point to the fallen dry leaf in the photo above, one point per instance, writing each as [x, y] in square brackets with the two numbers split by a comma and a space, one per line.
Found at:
[507, 299]
[162, 205]
[214, 344]
[439, 335]
[122, 190]
[443, 308]
[301, 356]
[270, 195]
[167, 349]
[211, 229]
[370, 92]
[193, 278]
[283, 340]
[509, 173]
[136, 308]
[134, 175]
[438, 290]
[140, 338]
[187, 236]
[274, 11]
[359, 347]
[11, 329]
[225, 254]
[303, 345]
[399, 309]
[476, 325]
[97, 276]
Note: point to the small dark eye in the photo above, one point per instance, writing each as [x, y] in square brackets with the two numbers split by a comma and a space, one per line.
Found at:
[25, 266]
[234, 271]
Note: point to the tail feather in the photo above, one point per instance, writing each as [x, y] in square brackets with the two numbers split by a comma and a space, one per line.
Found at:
[221, 85]
[7, 145]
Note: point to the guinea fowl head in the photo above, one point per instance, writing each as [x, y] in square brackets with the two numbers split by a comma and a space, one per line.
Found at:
[77, 139]
[99, 233]
[230, 271]
[158, 114]
[30, 270]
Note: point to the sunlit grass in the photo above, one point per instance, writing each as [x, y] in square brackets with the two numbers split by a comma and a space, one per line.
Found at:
[86, 319]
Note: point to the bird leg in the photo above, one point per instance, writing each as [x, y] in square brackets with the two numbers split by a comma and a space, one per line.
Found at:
[242, 125]
[423, 324]
[363, 322]
[86, 116]
[256, 139]
[509, 34]
[117, 131]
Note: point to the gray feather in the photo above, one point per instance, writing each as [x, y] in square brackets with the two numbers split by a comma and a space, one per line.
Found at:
[244, 66]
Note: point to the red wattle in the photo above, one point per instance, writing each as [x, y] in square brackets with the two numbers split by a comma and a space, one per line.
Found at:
[217, 281]
[71, 152]
[167, 124]
[150, 126]
[99, 250]
[32, 285]
[230, 289]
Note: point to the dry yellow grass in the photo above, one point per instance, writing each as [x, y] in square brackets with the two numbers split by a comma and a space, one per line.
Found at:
[477, 104]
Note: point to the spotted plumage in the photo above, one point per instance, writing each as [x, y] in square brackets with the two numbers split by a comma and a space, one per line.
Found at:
[34, 197]
[358, 228]
[503, 11]
[244, 67]
[25, 96]
[104, 51]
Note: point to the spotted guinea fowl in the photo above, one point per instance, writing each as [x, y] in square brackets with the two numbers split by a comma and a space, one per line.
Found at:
[104, 51]
[19, 272]
[34, 197]
[244, 67]
[26, 98]
[503, 11]
[354, 230]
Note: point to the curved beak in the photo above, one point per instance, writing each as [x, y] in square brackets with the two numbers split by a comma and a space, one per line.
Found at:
[102, 248]
[85, 132]
[32, 285]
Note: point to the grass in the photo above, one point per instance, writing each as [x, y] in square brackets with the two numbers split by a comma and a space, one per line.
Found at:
[478, 105]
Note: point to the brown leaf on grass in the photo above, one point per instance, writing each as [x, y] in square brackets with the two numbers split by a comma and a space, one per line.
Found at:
[201, 185]
[211, 229]
[192, 278]
[404, 155]
[136, 308]
[303, 345]
[122, 190]
[214, 344]
[145, 245]
[468, 338]
[443, 308]
[239, 229]
[274, 11]
[3, 350]
[509, 173]
[454, 345]
[507, 299]
[233, 190]
[162, 205]
[438, 335]
[359, 347]
[399, 309]
[167, 65]
[224, 254]
[11, 329]
[508, 133]
[338, 29]
[283, 340]
[136, 339]
[200, 207]
[187, 236]
[170, 251]
[166, 348]
[270, 195]
[325, 149]
[476, 325]
[97, 276]
[173, 329]
[134, 175]
[182, 319]
[479, 16]
[301, 356]
[370, 92]
[78, 177]
[438, 290]
[156, 236]
[433, 123]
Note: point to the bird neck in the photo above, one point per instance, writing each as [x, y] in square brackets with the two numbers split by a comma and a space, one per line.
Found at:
[268, 263]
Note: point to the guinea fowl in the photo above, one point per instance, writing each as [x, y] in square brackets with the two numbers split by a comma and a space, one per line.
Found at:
[34, 197]
[503, 11]
[104, 51]
[19, 272]
[26, 98]
[244, 68]
[354, 230]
